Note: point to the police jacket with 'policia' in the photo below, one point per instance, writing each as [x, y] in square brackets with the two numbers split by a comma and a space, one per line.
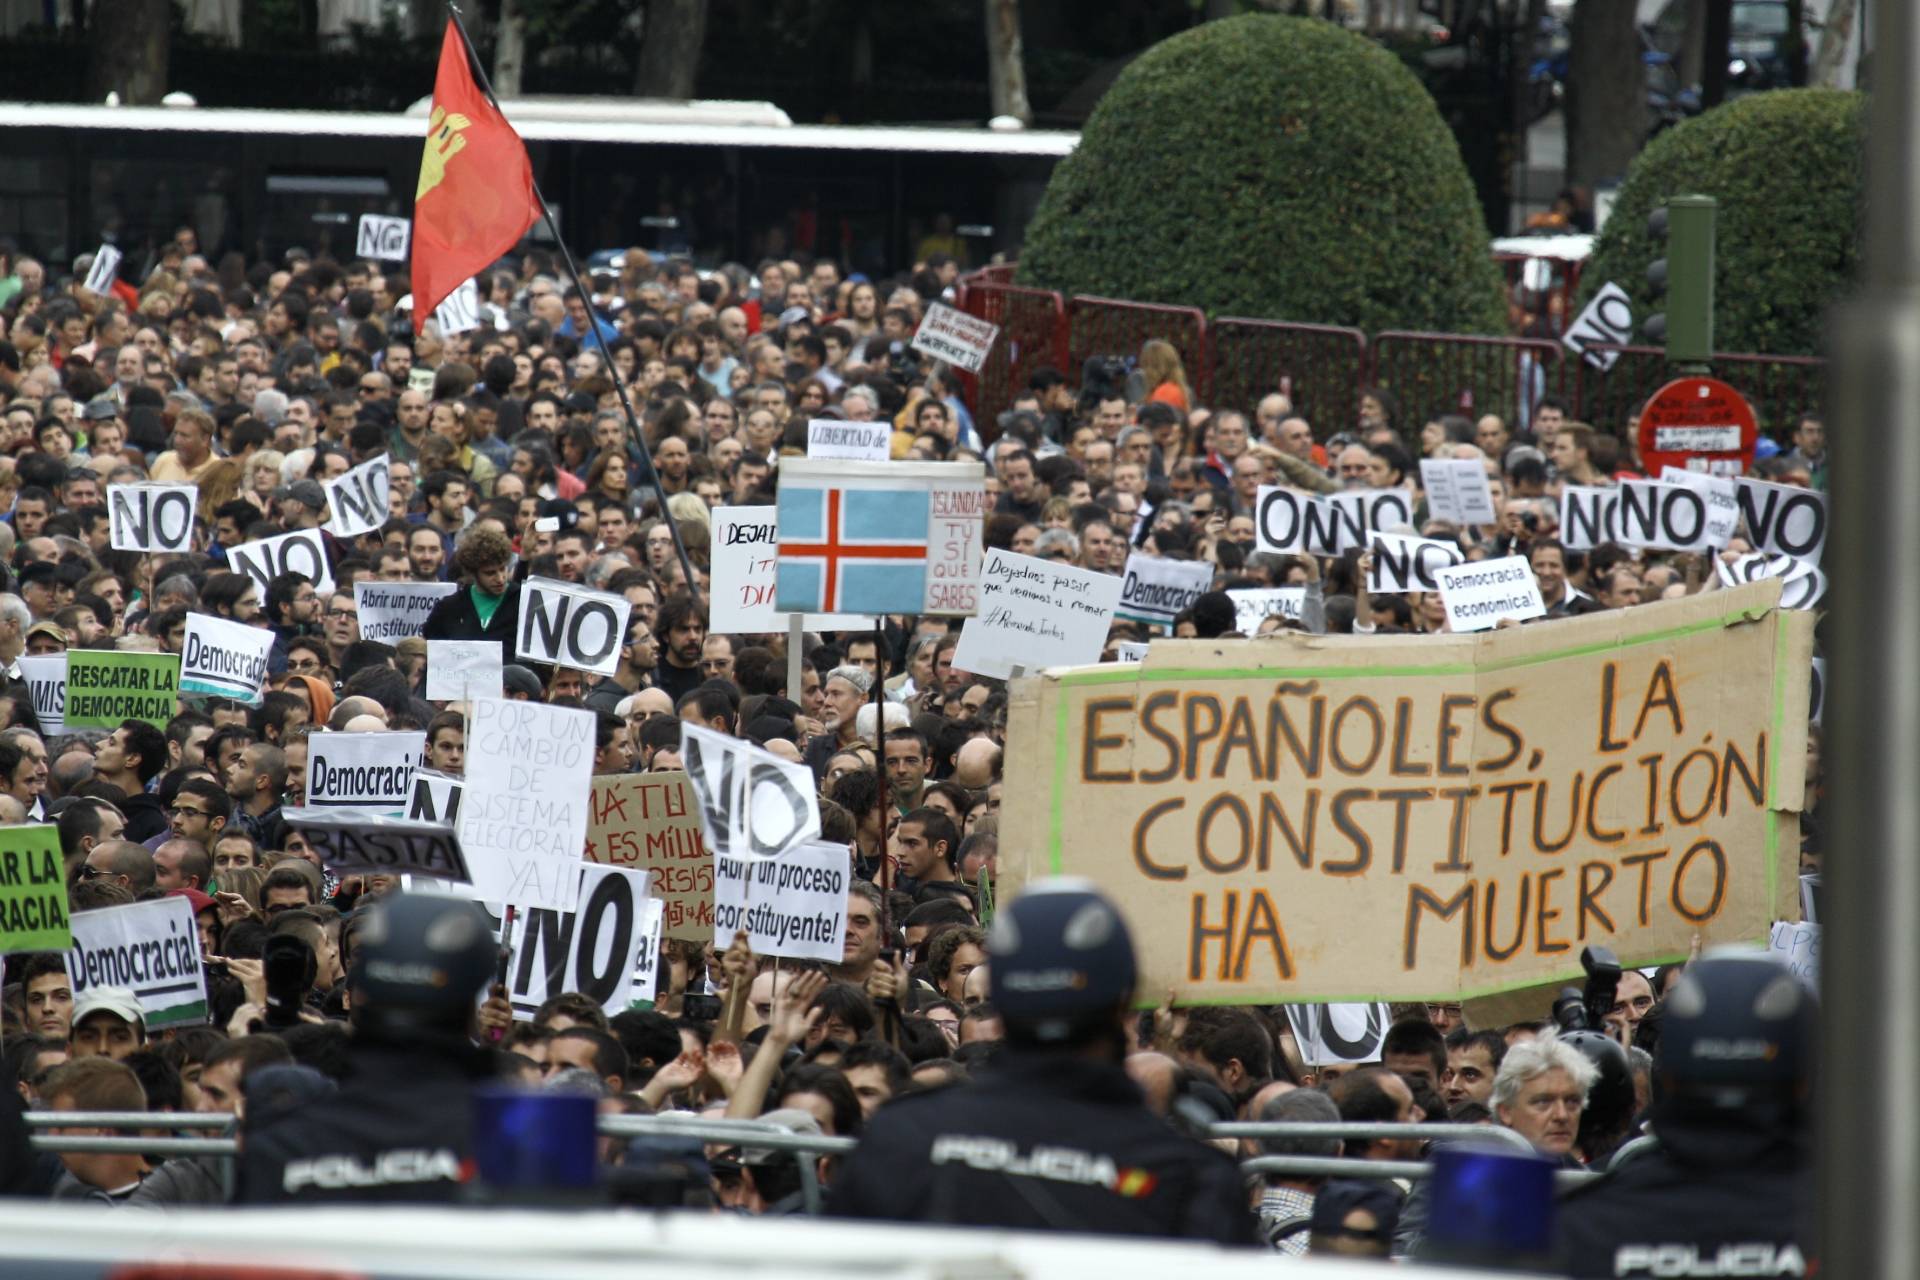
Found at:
[1666, 1213]
[399, 1130]
[1726, 1191]
[1042, 1142]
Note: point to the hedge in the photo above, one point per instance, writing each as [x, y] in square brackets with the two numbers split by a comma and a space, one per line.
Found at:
[1271, 167]
[1787, 169]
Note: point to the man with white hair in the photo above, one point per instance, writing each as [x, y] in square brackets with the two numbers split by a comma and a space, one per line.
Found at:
[1540, 1091]
[861, 403]
[15, 618]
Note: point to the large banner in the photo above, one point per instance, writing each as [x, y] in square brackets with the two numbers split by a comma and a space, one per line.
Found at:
[1401, 818]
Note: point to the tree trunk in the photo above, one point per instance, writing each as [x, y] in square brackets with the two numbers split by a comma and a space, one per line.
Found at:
[127, 50]
[1716, 54]
[509, 49]
[1606, 92]
[1693, 41]
[1825, 73]
[670, 48]
[1006, 63]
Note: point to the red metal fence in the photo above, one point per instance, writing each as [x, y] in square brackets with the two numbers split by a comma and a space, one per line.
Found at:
[1033, 333]
[1324, 369]
[1429, 374]
[1321, 368]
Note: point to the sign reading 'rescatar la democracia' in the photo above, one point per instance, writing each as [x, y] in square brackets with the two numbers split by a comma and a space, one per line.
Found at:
[1318, 818]
[105, 686]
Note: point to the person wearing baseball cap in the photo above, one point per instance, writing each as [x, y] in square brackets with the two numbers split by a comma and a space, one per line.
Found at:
[107, 1023]
[300, 504]
[1054, 1136]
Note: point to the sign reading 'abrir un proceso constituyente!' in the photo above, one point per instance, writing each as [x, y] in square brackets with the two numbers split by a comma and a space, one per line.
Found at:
[1488, 803]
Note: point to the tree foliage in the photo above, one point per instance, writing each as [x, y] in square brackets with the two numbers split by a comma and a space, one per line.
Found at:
[1274, 167]
[1787, 169]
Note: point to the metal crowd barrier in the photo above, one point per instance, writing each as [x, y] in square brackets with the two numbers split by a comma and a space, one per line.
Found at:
[804, 1147]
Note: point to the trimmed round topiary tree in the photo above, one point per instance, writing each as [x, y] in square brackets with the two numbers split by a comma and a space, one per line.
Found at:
[1787, 168]
[1272, 167]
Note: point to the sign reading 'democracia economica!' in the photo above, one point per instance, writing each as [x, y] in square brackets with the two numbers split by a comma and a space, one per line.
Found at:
[880, 537]
[1487, 804]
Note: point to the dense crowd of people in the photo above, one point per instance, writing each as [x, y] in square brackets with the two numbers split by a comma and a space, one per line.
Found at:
[512, 454]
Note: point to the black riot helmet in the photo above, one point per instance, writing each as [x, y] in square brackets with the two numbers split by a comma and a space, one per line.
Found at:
[1737, 1047]
[1061, 963]
[419, 963]
[1610, 1102]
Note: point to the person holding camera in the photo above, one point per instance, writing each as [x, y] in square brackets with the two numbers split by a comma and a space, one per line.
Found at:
[401, 1127]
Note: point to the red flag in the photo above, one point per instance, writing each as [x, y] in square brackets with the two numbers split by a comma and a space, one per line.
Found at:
[475, 199]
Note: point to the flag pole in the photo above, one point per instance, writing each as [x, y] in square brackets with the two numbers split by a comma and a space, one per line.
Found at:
[593, 321]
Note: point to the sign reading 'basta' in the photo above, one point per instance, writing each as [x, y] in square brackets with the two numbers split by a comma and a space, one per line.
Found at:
[1321, 818]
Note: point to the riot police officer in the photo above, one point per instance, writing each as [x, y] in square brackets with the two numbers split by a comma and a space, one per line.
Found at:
[1726, 1189]
[400, 1127]
[1054, 1135]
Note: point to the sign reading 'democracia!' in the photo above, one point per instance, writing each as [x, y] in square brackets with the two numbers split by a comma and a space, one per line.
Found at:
[1489, 803]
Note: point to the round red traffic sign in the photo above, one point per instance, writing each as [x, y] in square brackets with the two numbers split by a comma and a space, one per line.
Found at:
[1698, 424]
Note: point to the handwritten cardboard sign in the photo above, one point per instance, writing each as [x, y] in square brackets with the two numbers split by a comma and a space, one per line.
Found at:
[651, 822]
[1485, 804]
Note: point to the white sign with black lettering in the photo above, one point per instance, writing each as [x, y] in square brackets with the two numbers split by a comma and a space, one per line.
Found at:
[1292, 521]
[852, 441]
[106, 265]
[752, 803]
[151, 947]
[46, 677]
[646, 958]
[462, 670]
[1457, 490]
[1608, 320]
[1719, 493]
[1784, 519]
[302, 551]
[1477, 596]
[435, 797]
[1153, 590]
[1330, 1035]
[394, 611]
[1401, 564]
[592, 948]
[354, 843]
[383, 237]
[1801, 584]
[359, 498]
[460, 311]
[151, 517]
[221, 658]
[1817, 699]
[1254, 605]
[1589, 516]
[525, 826]
[794, 905]
[1129, 651]
[745, 561]
[956, 337]
[1797, 946]
[1358, 512]
[1036, 613]
[372, 771]
[1662, 517]
[571, 626]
